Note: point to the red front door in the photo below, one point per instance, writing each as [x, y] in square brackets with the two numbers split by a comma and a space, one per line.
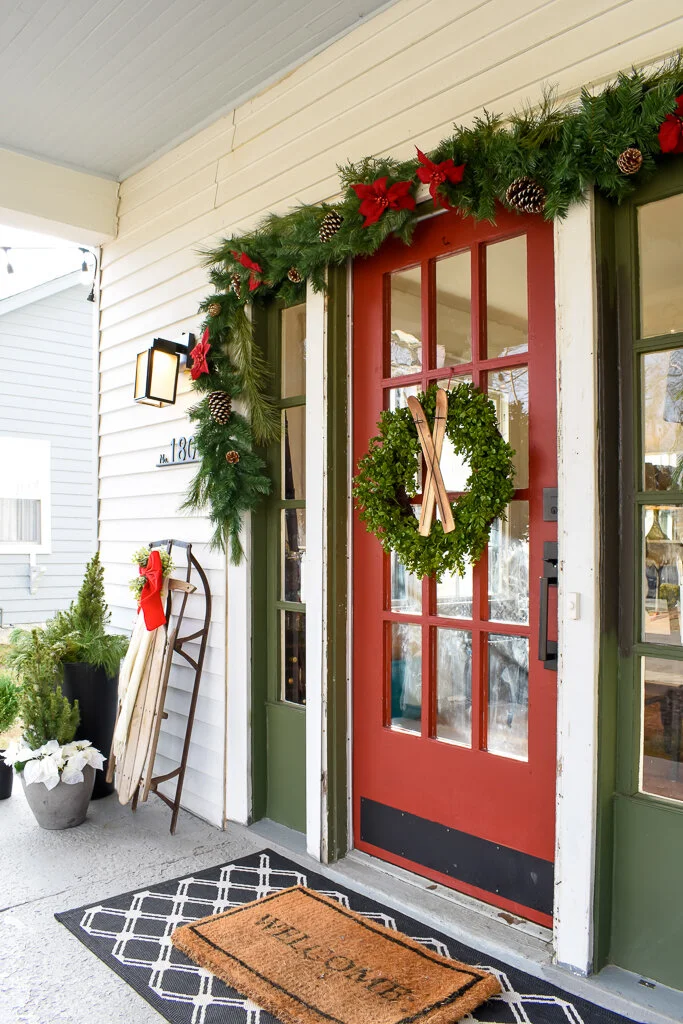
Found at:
[453, 710]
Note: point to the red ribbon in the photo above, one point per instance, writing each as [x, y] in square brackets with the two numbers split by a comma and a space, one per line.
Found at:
[250, 265]
[199, 354]
[150, 599]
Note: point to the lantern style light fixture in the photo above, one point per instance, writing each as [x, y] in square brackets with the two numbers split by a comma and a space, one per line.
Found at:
[157, 369]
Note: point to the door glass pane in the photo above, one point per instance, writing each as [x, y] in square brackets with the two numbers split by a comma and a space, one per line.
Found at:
[509, 392]
[398, 397]
[294, 452]
[507, 320]
[406, 589]
[454, 686]
[454, 595]
[454, 469]
[661, 771]
[662, 410]
[293, 554]
[662, 568]
[453, 310]
[293, 653]
[509, 566]
[406, 676]
[406, 323]
[508, 701]
[660, 244]
[293, 371]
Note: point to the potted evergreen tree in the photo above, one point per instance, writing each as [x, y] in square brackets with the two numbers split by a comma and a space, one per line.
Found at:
[90, 657]
[57, 774]
[9, 710]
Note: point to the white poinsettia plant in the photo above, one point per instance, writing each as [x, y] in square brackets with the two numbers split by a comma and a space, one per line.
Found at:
[53, 763]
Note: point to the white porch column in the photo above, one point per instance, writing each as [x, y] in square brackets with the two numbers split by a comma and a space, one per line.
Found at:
[316, 574]
[579, 606]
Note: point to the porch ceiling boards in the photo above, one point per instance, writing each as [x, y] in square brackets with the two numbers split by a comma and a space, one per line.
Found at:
[107, 85]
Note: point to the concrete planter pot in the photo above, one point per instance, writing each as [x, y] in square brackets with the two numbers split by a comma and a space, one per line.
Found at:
[61, 807]
[6, 777]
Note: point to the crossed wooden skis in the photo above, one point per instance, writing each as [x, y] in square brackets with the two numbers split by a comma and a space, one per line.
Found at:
[432, 446]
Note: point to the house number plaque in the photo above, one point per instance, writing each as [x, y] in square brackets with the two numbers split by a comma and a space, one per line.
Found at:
[182, 450]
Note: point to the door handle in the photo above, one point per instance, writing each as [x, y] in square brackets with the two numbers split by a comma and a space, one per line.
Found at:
[547, 649]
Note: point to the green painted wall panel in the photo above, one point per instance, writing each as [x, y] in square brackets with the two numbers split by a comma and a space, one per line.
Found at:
[648, 889]
[286, 761]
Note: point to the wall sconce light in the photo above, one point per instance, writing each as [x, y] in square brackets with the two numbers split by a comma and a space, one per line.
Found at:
[157, 368]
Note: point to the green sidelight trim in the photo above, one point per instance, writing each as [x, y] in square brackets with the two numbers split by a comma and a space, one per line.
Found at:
[337, 547]
[639, 836]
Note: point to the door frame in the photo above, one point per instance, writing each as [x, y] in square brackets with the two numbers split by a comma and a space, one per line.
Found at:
[329, 747]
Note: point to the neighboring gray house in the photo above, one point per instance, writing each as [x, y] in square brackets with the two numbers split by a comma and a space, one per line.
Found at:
[47, 447]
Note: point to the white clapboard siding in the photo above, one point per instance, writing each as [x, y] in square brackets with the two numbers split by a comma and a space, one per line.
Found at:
[397, 81]
[47, 392]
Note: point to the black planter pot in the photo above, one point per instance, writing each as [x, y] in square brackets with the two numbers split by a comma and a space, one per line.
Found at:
[6, 777]
[96, 694]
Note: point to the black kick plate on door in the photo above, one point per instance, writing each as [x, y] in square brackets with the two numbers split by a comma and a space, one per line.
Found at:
[494, 868]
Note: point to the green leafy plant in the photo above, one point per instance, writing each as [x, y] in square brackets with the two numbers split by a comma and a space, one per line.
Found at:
[45, 713]
[9, 703]
[387, 478]
[670, 592]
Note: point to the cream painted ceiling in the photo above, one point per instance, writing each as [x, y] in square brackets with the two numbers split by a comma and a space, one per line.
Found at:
[106, 85]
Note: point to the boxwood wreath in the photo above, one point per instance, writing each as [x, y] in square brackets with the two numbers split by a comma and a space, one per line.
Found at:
[387, 480]
[538, 161]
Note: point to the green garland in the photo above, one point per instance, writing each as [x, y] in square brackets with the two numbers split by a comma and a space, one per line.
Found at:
[564, 151]
[387, 479]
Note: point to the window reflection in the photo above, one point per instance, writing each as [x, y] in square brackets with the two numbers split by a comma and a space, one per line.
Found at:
[662, 730]
[293, 330]
[294, 657]
[662, 405]
[663, 566]
[508, 718]
[507, 318]
[454, 686]
[294, 452]
[509, 392]
[453, 310]
[509, 565]
[406, 323]
[660, 254]
[294, 554]
[406, 589]
[406, 676]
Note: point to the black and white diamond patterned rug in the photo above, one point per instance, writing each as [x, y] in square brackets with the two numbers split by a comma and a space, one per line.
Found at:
[131, 934]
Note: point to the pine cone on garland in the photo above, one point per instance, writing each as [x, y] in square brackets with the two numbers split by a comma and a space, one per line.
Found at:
[630, 161]
[220, 406]
[236, 283]
[329, 226]
[294, 275]
[214, 309]
[232, 457]
[526, 195]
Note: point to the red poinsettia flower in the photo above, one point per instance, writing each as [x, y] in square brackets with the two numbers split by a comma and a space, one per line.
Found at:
[255, 269]
[435, 175]
[671, 130]
[198, 355]
[376, 198]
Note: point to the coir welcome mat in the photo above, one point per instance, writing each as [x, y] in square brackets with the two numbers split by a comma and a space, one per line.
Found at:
[131, 933]
[309, 960]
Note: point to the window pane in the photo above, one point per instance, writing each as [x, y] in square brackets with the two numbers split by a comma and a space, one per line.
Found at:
[509, 392]
[406, 323]
[406, 676]
[293, 625]
[453, 310]
[508, 696]
[294, 452]
[454, 686]
[507, 321]
[454, 595]
[662, 727]
[20, 520]
[660, 243]
[509, 565]
[293, 554]
[454, 469]
[293, 372]
[662, 400]
[406, 589]
[662, 566]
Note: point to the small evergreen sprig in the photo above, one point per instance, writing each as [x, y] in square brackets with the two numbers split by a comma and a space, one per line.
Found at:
[141, 558]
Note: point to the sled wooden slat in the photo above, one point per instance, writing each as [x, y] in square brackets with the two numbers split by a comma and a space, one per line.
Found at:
[159, 715]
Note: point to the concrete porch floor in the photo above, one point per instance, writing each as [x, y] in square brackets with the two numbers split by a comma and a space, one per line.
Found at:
[47, 976]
